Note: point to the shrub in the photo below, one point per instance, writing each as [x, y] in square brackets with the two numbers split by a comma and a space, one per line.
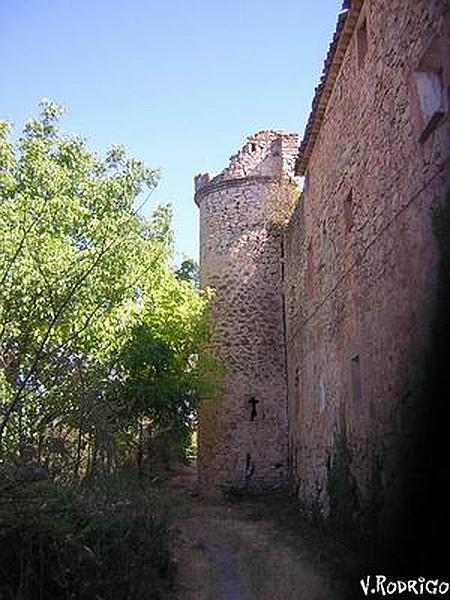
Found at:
[104, 543]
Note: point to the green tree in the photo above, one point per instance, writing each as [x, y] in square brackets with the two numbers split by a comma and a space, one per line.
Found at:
[98, 334]
[189, 271]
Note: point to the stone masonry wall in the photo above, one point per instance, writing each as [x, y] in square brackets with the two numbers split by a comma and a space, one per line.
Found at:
[243, 433]
[361, 265]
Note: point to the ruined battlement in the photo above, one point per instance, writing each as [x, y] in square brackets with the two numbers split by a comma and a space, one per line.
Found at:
[201, 180]
[266, 155]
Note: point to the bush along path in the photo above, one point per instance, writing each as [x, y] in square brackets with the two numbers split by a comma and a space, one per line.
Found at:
[102, 542]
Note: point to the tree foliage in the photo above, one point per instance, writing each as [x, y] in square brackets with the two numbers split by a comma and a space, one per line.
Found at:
[189, 271]
[99, 337]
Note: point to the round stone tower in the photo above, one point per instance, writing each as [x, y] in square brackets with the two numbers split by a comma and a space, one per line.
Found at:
[243, 438]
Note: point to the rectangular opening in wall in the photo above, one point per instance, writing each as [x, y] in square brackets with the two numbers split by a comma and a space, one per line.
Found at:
[297, 377]
[362, 42]
[348, 211]
[282, 262]
[322, 397]
[253, 412]
[296, 396]
[356, 380]
[309, 266]
[430, 89]
[305, 182]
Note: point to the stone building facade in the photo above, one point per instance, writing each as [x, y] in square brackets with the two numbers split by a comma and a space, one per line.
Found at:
[327, 327]
[361, 259]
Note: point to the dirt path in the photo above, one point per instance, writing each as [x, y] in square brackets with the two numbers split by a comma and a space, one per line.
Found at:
[239, 551]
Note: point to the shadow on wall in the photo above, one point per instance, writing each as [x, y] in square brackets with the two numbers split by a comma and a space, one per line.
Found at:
[419, 532]
[427, 529]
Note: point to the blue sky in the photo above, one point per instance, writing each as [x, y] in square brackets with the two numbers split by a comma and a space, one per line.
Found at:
[180, 83]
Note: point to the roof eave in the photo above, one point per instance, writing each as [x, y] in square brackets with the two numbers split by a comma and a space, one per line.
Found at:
[345, 27]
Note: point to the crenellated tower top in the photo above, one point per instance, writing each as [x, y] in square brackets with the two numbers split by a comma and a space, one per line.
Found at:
[266, 155]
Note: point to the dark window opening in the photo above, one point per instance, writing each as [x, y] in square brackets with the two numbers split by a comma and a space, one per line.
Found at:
[297, 377]
[348, 211]
[253, 412]
[362, 43]
[356, 380]
[249, 467]
[253, 147]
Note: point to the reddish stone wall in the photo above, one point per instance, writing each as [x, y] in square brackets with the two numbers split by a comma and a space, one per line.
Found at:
[361, 265]
[243, 433]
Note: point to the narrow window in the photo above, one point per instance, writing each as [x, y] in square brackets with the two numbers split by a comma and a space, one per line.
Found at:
[362, 43]
[297, 393]
[253, 412]
[248, 462]
[322, 397]
[430, 90]
[253, 147]
[249, 467]
[309, 266]
[356, 380]
[305, 182]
